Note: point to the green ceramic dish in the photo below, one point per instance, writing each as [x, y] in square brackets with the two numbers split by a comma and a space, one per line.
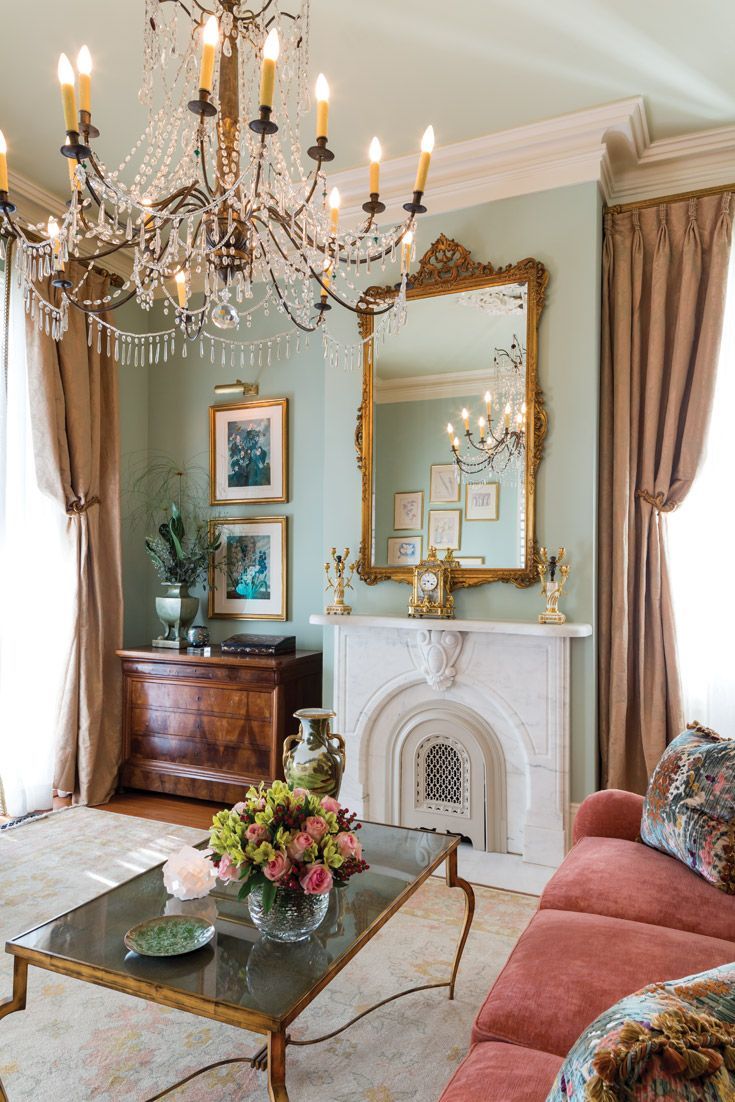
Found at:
[169, 935]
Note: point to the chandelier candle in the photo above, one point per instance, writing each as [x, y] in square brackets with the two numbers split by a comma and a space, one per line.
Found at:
[210, 41]
[180, 278]
[427, 148]
[84, 69]
[68, 99]
[406, 246]
[322, 107]
[375, 154]
[3, 163]
[334, 205]
[271, 50]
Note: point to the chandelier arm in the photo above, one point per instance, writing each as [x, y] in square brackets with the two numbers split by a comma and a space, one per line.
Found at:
[284, 222]
[348, 305]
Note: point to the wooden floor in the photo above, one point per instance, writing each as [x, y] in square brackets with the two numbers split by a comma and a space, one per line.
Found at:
[165, 809]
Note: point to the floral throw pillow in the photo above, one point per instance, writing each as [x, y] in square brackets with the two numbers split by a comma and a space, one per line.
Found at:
[670, 1042]
[689, 811]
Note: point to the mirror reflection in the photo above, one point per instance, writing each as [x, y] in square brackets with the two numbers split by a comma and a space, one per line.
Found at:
[450, 421]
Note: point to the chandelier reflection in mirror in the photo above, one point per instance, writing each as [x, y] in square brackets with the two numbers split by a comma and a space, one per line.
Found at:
[213, 205]
[499, 449]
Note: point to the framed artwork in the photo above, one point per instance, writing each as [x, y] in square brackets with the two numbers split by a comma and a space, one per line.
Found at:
[248, 453]
[481, 501]
[470, 560]
[405, 550]
[408, 510]
[247, 580]
[443, 484]
[445, 526]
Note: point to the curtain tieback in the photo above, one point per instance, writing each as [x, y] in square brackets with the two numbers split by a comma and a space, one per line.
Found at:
[76, 507]
[658, 501]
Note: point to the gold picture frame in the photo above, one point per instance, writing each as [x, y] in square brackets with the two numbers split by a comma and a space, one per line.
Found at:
[420, 521]
[472, 487]
[443, 500]
[447, 268]
[223, 597]
[435, 518]
[408, 561]
[226, 489]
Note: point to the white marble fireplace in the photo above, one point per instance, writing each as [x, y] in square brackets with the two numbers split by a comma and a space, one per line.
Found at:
[460, 725]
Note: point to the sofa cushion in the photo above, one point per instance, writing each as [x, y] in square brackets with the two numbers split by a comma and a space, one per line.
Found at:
[689, 810]
[609, 876]
[568, 967]
[671, 1041]
[507, 1073]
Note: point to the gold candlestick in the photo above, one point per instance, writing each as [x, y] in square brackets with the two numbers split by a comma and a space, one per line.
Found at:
[343, 572]
[553, 579]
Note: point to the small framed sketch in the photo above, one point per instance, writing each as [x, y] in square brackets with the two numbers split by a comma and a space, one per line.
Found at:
[248, 453]
[445, 526]
[247, 580]
[444, 484]
[481, 501]
[408, 510]
[470, 561]
[405, 550]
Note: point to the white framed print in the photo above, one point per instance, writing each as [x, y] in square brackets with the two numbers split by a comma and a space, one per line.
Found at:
[405, 550]
[445, 526]
[481, 501]
[248, 453]
[443, 484]
[247, 580]
[408, 510]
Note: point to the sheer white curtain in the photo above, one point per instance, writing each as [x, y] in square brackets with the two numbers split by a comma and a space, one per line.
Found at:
[36, 575]
[701, 549]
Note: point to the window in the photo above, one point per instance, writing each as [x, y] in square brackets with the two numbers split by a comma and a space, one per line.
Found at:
[701, 549]
[36, 580]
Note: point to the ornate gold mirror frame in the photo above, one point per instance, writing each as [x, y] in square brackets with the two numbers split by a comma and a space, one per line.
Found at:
[447, 268]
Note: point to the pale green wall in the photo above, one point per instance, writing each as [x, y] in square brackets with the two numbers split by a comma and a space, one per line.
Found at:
[176, 423]
[562, 229]
[409, 438]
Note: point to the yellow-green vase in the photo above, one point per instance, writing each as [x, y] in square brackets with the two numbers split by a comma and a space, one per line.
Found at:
[315, 757]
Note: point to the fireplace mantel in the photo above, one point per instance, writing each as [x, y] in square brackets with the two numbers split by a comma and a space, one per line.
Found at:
[490, 627]
[496, 693]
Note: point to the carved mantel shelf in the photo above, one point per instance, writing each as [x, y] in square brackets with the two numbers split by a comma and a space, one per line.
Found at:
[490, 627]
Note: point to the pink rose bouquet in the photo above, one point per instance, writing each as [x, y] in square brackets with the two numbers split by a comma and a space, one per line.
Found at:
[289, 840]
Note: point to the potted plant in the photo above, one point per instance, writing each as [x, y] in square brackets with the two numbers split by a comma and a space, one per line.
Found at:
[180, 561]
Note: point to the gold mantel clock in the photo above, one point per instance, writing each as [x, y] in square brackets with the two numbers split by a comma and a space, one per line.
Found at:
[432, 584]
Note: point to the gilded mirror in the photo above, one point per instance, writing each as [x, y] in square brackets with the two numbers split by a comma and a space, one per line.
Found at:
[451, 426]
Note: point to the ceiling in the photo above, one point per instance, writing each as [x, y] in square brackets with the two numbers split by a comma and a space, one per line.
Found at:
[470, 68]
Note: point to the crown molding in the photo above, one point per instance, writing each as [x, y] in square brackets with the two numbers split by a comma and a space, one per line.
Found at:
[459, 384]
[609, 145]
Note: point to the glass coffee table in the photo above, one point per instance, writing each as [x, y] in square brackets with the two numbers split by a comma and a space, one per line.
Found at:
[241, 978]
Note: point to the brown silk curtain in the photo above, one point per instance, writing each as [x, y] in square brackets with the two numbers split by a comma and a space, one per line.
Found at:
[664, 283]
[73, 392]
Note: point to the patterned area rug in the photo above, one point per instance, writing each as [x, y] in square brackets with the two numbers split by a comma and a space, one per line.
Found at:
[77, 1042]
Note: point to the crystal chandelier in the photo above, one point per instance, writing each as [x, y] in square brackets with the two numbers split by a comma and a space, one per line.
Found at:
[500, 448]
[214, 207]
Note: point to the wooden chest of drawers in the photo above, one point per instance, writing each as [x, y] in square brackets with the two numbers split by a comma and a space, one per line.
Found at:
[209, 727]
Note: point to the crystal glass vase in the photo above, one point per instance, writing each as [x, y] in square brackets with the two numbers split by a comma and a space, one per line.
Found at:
[293, 916]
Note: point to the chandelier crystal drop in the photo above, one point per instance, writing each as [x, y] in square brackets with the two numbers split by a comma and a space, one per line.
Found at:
[216, 210]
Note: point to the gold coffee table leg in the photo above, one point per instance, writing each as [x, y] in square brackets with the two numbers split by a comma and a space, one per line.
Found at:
[455, 881]
[277, 1067]
[17, 1001]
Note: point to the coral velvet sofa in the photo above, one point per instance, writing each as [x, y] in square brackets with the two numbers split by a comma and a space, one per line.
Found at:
[615, 916]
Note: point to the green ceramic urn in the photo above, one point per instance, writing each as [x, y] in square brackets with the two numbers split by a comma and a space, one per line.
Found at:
[315, 757]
